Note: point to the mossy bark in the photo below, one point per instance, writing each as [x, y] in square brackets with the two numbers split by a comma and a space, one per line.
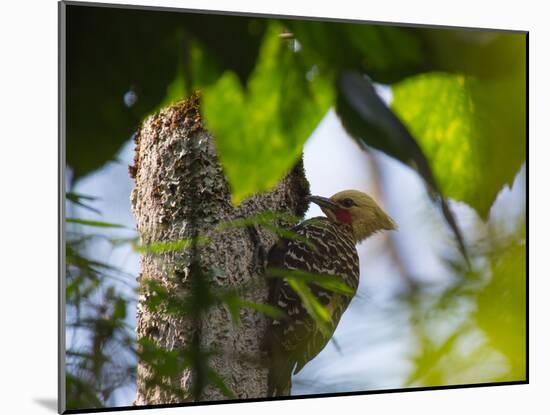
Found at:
[180, 191]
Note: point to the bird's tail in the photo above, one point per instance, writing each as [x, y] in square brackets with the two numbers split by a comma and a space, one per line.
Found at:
[279, 378]
[279, 366]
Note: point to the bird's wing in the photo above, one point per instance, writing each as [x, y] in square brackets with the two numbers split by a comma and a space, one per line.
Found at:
[298, 339]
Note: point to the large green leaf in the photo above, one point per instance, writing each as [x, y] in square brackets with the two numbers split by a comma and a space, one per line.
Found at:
[260, 130]
[472, 131]
[502, 311]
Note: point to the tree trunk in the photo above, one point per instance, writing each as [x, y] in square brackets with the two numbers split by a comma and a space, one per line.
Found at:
[181, 192]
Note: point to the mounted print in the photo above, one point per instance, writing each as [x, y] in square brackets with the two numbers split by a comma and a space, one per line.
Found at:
[261, 207]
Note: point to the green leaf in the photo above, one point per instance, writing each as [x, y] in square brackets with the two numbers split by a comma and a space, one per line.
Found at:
[311, 304]
[157, 295]
[163, 362]
[132, 240]
[262, 128]
[497, 319]
[290, 234]
[266, 309]
[235, 303]
[175, 91]
[119, 312]
[77, 199]
[81, 394]
[389, 54]
[299, 281]
[326, 281]
[265, 220]
[217, 381]
[169, 246]
[502, 309]
[482, 53]
[95, 223]
[234, 308]
[472, 131]
[262, 218]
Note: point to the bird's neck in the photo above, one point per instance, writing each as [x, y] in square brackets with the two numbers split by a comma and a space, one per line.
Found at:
[344, 228]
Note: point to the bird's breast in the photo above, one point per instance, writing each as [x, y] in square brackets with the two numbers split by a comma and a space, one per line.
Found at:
[331, 250]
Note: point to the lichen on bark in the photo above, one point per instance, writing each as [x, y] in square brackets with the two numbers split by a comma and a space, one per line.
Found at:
[181, 191]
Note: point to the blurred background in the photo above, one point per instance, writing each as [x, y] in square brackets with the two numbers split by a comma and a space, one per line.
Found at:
[421, 316]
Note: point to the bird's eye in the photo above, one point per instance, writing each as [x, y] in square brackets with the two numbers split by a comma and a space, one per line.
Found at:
[347, 203]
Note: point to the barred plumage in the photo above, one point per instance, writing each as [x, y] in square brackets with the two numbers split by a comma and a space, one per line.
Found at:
[294, 341]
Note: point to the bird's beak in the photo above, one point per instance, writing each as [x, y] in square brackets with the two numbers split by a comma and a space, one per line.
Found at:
[323, 202]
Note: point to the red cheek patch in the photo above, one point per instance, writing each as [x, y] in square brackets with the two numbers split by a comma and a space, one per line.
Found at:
[343, 216]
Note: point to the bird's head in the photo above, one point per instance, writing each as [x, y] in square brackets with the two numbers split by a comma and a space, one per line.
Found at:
[356, 209]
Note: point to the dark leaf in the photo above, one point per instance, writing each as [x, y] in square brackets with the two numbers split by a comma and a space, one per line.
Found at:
[78, 200]
[369, 120]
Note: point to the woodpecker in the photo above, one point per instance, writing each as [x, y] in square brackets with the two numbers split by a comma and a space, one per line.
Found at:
[351, 216]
